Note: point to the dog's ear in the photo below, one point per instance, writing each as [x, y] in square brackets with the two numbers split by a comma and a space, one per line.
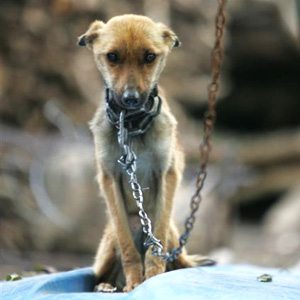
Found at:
[92, 34]
[169, 36]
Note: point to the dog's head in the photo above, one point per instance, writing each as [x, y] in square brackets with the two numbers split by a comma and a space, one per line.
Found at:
[130, 51]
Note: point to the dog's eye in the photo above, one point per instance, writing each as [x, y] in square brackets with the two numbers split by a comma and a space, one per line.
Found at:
[150, 58]
[112, 57]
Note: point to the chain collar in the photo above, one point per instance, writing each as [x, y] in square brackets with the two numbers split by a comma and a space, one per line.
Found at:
[136, 121]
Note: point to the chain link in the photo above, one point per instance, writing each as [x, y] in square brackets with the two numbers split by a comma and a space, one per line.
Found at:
[128, 162]
[128, 158]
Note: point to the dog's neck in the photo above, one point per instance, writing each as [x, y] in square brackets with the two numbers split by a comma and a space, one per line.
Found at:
[137, 121]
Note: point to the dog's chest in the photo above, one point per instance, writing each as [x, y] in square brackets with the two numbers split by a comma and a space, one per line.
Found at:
[152, 160]
[154, 154]
[153, 150]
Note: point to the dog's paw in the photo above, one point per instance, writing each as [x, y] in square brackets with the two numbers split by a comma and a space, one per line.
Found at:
[130, 286]
[153, 271]
[134, 277]
[104, 287]
[154, 266]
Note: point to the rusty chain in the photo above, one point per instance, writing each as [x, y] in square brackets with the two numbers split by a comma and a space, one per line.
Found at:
[128, 158]
[209, 121]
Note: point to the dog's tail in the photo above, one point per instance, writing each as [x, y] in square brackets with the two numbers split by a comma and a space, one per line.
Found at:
[188, 261]
[200, 261]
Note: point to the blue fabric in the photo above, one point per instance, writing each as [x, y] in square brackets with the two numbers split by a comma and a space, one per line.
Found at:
[235, 282]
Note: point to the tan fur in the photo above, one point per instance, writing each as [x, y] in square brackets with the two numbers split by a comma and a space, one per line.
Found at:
[160, 159]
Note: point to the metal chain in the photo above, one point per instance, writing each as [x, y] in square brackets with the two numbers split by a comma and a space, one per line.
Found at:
[128, 162]
[209, 121]
[128, 158]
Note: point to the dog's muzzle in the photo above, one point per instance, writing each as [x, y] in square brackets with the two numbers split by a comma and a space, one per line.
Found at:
[138, 120]
[131, 99]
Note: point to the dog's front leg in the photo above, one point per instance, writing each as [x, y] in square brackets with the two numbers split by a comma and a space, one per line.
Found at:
[131, 259]
[155, 265]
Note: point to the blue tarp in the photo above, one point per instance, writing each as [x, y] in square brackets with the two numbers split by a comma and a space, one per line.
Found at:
[235, 282]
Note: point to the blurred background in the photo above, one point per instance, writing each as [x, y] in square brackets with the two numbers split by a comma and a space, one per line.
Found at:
[51, 211]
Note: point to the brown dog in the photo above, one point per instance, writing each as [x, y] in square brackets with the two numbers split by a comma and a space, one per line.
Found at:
[130, 51]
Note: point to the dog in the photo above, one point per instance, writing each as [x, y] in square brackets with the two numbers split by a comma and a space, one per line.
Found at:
[130, 51]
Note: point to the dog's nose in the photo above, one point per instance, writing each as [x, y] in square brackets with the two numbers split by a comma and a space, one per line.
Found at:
[131, 98]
